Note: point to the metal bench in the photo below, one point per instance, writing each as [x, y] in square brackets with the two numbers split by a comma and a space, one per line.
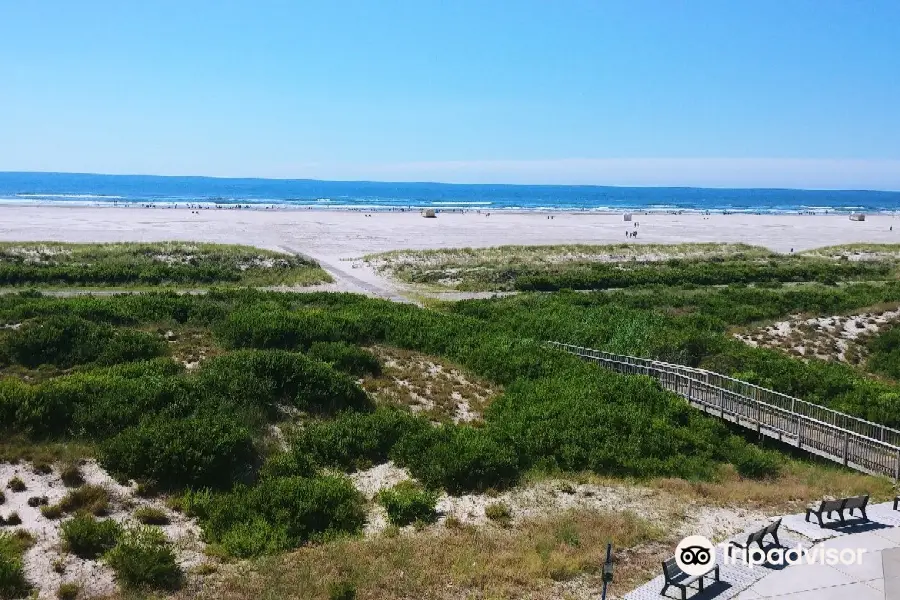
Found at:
[856, 503]
[827, 507]
[772, 529]
[675, 577]
[757, 537]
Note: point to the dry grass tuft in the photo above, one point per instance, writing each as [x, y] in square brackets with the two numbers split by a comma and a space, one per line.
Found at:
[455, 562]
[798, 484]
[429, 386]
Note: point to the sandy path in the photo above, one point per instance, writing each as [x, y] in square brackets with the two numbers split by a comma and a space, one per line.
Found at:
[333, 237]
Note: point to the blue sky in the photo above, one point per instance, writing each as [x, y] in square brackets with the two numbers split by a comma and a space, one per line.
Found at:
[796, 93]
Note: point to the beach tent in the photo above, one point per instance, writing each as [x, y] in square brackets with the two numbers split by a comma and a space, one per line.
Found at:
[857, 217]
[627, 216]
[428, 213]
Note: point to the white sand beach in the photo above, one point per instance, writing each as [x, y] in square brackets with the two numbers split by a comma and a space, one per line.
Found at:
[333, 237]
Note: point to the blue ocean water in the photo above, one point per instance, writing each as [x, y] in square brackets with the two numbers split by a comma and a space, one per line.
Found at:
[127, 190]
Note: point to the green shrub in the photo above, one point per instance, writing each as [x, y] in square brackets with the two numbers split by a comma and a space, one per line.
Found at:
[342, 590]
[407, 503]
[16, 484]
[143, 558]
[752, 462]
[498, 512]
[65, 341]
[458, 458]
[346, 357]
[356, 440]
[884, 354]
[68, 591]
[2, 497]
[197, 451]
[87, 499]
[86, 537]
[149, 515]
[71, 476]
[278, 514]
[51, 511]
[266, 378]
[42, 468]
[12, 573]
[13, 519]
[287, 464]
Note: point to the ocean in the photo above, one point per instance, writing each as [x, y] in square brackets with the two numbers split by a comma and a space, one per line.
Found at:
[137, 190]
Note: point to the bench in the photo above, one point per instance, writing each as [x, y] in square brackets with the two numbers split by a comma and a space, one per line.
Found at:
[675, 577]
[827, 507]
[757, 537]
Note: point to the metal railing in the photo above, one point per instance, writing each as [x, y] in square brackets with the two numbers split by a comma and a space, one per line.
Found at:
[860, 444]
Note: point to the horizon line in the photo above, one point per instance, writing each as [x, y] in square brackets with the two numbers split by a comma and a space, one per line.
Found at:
[458, 183]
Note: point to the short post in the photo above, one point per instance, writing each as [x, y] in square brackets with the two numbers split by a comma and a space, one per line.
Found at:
[846, 446]
[607, 569]
[799, 431]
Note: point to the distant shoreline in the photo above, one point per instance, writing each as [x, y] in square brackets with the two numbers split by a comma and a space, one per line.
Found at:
[38, 189]
[462, 209]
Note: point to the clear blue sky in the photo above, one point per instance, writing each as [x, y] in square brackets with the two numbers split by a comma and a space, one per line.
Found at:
[681, 92]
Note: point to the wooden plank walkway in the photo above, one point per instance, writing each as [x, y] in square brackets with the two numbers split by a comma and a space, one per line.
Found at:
[859, 444]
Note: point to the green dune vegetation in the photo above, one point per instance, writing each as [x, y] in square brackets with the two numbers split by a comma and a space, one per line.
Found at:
[48, 264]
[247, 410]
[585, 267]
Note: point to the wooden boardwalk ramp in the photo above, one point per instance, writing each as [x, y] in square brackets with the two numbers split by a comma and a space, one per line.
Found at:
[859, 444]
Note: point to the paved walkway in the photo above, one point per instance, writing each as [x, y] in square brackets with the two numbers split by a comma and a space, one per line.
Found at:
[876, 578]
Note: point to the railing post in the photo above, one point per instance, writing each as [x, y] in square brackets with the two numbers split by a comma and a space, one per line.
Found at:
[897, 467]
[846, 446]
[799, 431]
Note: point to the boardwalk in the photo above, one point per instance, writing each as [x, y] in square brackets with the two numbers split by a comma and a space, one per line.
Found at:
[857, 443]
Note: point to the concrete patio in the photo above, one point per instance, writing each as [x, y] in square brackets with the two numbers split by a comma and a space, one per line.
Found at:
[877, 577]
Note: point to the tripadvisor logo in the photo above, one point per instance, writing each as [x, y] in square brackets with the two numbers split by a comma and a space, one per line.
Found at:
[695, 555]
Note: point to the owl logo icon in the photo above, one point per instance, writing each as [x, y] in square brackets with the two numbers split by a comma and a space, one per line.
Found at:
[695, 555]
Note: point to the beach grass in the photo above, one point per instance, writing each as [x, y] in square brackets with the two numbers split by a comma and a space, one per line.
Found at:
[529, 560]
[147, 265]
[586, 267]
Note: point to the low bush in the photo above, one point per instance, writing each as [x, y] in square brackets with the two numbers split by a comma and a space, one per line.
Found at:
[16, 484]
[278, 514]
[287, 464]
[884, 357]
[86, 537]
[87, 499]
[266, 378]
[407, 503]
[356, 440]
[149, 515]
[68, 591]
[197, 451]
[459, 459]
[42, 468]
[71, 476]
[143, 558]
[36, 501]
[12, 519]
[498, 512]
[65, 341]
[346, 357]
[51, 511]
[2, 497]
[13, 583]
